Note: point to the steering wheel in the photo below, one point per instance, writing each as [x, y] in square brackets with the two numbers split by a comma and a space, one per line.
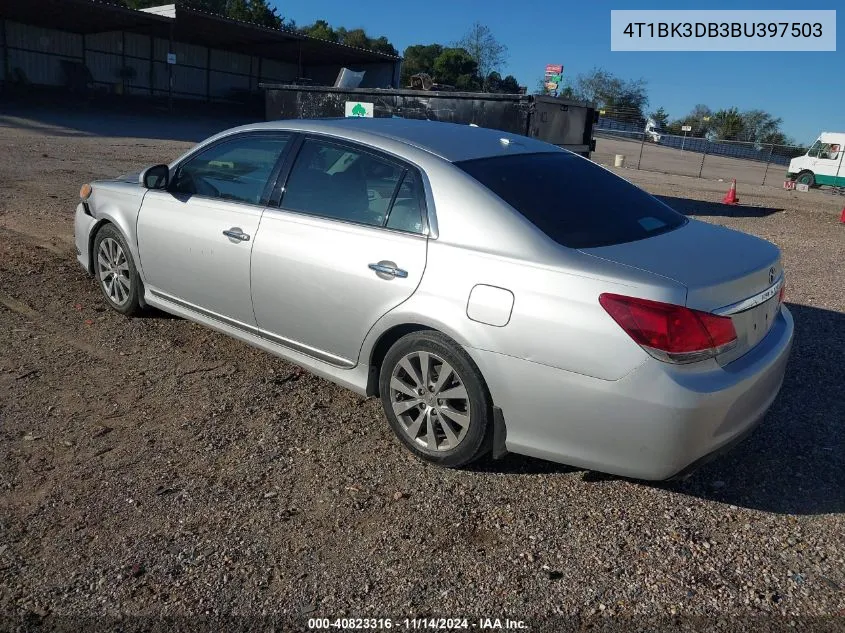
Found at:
[197, 185]
[205, 188]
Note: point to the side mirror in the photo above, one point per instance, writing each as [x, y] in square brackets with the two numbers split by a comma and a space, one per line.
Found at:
[156, 177]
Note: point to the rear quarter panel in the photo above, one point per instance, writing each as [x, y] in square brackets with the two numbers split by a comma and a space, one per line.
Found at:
[556, 318]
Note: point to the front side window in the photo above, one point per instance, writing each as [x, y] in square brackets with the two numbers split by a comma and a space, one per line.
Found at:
[572, 200]
[338, 182]
[829, 151]
[815, 149]
[235, 170]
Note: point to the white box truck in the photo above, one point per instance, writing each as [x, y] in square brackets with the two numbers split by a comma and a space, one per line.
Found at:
[652, 131]
[822, 164]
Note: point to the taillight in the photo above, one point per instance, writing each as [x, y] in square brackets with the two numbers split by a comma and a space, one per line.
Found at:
[670, 332]
[782, 293]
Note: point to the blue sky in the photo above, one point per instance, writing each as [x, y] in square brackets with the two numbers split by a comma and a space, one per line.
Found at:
[805, 89]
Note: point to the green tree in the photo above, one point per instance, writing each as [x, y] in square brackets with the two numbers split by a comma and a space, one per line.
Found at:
[778, 138]
[382, 45]
[488, 52]
[239, 10]
[419, 58]
[320, 30]
[456, 67]
[727, 124]
[494, 82]
[356, 37]
[459, 66]
[700, 112]
[622, 99]
[700, 119]
[758, 126]
[510, 85]
[661, 117]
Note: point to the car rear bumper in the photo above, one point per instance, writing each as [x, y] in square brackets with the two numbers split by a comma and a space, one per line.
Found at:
[83, 224]
[651, 424]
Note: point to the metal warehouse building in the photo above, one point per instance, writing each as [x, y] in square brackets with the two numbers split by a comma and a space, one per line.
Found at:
[170, 51]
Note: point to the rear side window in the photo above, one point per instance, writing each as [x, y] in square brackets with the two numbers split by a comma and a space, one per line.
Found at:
[406, 214]
[574, 201]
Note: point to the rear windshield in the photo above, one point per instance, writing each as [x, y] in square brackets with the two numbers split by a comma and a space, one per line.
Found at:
[574, 201]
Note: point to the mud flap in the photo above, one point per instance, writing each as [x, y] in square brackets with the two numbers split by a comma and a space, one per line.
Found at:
[499, 434]
[141, 291]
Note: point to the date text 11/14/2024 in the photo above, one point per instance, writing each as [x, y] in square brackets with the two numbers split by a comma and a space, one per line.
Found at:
[417, 624]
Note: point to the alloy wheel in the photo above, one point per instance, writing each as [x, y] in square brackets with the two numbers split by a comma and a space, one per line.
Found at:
[430, 400]
[113, 268]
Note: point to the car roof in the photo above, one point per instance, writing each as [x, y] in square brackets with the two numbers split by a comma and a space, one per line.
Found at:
[450, 141]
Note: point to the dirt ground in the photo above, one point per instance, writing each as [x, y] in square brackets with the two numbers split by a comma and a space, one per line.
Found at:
[150, 467]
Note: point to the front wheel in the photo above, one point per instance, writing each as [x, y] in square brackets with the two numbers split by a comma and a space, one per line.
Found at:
[115, 270]
[435, 399]
[806, 178]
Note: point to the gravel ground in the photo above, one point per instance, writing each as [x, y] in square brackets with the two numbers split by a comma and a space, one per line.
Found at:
[151, 468]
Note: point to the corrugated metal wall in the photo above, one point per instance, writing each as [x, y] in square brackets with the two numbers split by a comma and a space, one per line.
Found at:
[199, 72]
[275, 71]
[37, 52]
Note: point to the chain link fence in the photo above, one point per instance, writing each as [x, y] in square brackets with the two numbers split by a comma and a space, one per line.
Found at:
[750, 163]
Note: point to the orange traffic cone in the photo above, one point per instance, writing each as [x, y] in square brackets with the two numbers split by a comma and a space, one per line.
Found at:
[730, 197]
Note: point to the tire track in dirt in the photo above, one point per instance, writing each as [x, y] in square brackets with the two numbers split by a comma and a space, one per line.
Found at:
[48, 325]
[35, 240]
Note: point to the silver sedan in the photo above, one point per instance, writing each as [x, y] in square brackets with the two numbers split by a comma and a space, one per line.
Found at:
[499, 294]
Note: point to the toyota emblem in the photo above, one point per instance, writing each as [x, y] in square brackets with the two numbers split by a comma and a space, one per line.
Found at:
[772, 275]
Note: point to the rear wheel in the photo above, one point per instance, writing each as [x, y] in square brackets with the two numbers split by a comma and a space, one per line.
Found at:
[806, 178]
[116, 271]
[435, 399]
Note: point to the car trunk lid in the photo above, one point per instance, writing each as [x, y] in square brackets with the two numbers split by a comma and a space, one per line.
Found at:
[724, 271]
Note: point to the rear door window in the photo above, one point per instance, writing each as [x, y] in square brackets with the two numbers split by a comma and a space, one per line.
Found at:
[341, 182]
[574, 201]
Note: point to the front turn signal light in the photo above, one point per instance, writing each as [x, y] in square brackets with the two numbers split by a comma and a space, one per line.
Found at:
[85, 191]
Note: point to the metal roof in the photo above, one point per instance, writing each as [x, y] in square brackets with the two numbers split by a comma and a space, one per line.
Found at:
[83, 16]
[190, 25]
[217, 31]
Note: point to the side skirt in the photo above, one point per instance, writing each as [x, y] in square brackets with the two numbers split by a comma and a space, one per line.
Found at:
[348, 375]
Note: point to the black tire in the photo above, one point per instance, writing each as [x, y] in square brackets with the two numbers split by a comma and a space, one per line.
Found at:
[477, 438]
[129, 303]
[806, 178]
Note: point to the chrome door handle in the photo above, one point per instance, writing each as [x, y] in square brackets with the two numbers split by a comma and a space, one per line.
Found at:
[388, 270]
[235, 233]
